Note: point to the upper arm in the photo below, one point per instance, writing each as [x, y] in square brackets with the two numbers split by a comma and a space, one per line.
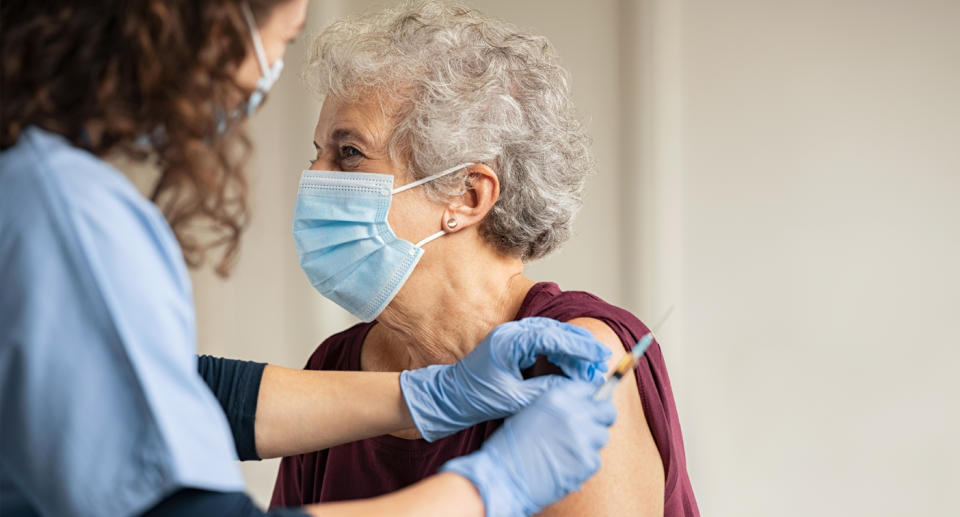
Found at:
[631, 478]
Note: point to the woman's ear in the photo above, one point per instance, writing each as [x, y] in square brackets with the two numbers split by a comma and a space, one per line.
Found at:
[468, 209]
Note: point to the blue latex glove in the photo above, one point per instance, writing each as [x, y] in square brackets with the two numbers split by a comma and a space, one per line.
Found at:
[542, 453]
[487, 384]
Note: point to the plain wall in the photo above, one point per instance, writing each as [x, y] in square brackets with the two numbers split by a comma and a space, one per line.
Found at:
[821, 155]
[784, 174]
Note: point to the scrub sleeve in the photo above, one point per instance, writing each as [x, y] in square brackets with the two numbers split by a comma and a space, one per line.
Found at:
[236, 385]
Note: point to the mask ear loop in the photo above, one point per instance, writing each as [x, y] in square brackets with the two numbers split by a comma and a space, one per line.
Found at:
[255, 36]
[419, 182]
[433, 237]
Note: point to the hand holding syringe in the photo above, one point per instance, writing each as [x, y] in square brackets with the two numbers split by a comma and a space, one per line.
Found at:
[628, 362]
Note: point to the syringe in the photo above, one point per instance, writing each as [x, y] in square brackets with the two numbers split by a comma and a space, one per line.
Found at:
[624, 367]
[628, 361]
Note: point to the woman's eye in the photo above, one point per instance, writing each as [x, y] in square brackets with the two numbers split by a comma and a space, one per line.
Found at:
[349, 151]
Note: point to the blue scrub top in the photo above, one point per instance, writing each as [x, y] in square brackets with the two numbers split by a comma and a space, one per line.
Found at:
[102, 411]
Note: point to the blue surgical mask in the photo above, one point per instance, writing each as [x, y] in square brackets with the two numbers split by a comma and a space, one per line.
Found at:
[344, 242]
[269, 74]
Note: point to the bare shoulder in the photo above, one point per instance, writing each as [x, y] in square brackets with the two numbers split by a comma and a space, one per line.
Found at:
[631, 476]
[602, 332]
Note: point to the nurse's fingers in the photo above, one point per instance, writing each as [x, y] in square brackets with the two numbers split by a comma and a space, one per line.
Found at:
[555, 341]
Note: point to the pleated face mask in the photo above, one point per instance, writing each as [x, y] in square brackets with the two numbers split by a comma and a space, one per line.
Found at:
[344, 242]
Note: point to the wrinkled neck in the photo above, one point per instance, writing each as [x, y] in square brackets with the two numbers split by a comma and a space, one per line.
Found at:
[450, 306]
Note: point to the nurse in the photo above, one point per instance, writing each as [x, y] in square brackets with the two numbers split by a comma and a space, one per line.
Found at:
[102, 410]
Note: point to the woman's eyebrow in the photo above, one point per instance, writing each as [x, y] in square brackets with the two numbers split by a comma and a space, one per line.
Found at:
[348, 134]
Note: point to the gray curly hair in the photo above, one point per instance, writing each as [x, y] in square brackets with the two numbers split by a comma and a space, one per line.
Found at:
[470, 88]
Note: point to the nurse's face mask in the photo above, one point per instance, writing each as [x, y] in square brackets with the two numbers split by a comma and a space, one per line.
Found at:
[344, 242]
[268, 74]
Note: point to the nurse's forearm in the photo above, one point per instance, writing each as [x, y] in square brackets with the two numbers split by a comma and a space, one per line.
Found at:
[275, 411]
[302, 411]
[442, 495]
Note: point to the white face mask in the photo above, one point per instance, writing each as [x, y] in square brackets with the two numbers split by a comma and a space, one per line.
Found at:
[269, 74]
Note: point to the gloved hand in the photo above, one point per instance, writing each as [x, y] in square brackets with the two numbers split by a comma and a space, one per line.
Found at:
[487, 384]
[542, 453]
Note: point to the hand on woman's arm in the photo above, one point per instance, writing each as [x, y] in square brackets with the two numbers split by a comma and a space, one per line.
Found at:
[276, 411]
[302, 411]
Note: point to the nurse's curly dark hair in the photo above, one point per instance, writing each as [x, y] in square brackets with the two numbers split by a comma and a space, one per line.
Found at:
[105, 74]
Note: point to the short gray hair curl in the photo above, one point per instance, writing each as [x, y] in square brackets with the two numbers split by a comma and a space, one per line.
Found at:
[470, 88]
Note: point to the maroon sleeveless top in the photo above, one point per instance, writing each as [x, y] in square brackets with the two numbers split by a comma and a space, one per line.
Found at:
[383, 464]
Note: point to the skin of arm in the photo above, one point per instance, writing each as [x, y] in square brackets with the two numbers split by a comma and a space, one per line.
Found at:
[442, 495]
[294, 408]
[631, 479]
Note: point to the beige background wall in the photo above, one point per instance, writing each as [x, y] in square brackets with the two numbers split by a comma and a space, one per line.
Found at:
[786, 175]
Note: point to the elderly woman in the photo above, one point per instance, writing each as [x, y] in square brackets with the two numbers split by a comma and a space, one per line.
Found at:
[455, 131]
